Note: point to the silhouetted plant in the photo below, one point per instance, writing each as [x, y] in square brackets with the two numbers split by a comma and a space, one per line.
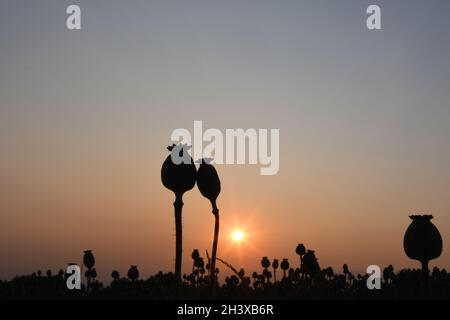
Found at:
[195, 254]
[93, 273]
[310, 261]
[345, 269]
[133, 273]
[115, 275]
[208, 183]
[89, 262]
[179, 178]
[300, 250]
[265, 262]
[275, 265]
[329, 273]
[267, 274]
[422, 241]
[284, 266]
[325, 284]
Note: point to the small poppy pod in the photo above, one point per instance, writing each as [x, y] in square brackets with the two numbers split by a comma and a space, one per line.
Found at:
[265, 262]
[195, 254]
[275, 263]
[88, 259]
[267, 273]
[199, 263]
[208, 181]
[284, 264]
[133, 273]
[115, 275]
[345, 269]
[300, 250]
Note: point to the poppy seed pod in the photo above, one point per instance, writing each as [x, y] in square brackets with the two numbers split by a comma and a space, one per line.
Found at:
[88, 259]
[195, 254]
[310, 263]
[345, 269]
[300, 250]
[178, 177]
[199, 263]
[208, 181]
[133, 273]
[284, 264]
[265, 262]
[422, 240]
[275, 263]
[115, 275]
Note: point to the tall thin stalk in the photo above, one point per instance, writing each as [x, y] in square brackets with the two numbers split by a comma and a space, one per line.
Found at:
[178, 205]
[208, 183]
[178, 176]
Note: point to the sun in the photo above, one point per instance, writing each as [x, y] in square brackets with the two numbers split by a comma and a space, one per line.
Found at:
[237, 235]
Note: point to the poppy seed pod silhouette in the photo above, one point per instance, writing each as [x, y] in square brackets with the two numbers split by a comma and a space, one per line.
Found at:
[422, 241]
[133, 273]
[89, 262]
[275, 265]
[284, 266]
[265, 262]
[208, 183]
[179, 178]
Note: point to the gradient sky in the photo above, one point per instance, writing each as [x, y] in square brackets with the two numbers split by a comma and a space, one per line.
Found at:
[85, 118]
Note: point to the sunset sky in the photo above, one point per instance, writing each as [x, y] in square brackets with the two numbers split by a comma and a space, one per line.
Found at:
[86, 116]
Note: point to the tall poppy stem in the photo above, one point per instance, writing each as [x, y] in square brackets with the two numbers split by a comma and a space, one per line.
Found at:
[178, 204]
[425, 278]
[301, 266]
[88, 280]
[214, 249]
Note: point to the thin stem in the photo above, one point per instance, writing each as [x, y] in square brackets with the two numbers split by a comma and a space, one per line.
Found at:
[88, 280]
[214, 249]
[301, 266]
[178, 205]
[425, 275]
